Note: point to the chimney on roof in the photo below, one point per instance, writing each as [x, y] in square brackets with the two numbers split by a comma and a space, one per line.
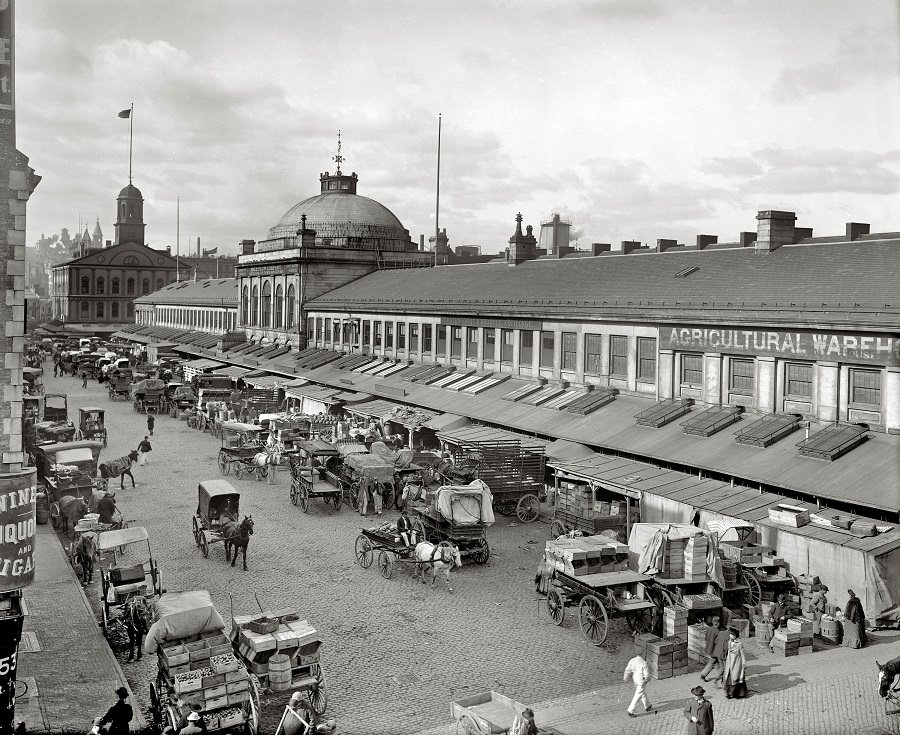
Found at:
[198, 247]
[747, 239]
[109, 243]
[422, 243]
[856, 229]
[705, 240]
[307, 236]
[600, 247]
[774, 229]
[663, 245]
[168, 249]
[629, 246]
[247, 246]
[521, 247]
[800, 233]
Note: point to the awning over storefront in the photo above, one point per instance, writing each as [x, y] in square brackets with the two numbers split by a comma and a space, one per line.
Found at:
[397, 412]
[472, 435]
[447, 421]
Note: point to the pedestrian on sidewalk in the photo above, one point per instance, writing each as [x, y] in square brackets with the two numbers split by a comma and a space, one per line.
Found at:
[639, 672]
[735, 667]
[118, 716]
[143, 450]
[854, 623]
[717, 656]
[699, 713]
[150, 422]
[84, 379]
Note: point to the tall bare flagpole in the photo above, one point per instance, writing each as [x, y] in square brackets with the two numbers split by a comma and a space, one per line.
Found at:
[130, 140]
[177, 236]
[437, 198]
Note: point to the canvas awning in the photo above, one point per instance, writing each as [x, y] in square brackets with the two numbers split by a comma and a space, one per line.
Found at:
[264, 381]
[447, 421]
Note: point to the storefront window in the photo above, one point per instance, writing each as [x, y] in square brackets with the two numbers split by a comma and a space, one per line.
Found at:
[569, 350]
[413, 337]
[526, 347]
[441, 332]
[426, 338]
[401, 335]
[865, 388]
[389, 335]
[741, 374]
[456, 341]
[618, 356]
[506, 345]
[692, 370]
[646, 356]
[548, 347]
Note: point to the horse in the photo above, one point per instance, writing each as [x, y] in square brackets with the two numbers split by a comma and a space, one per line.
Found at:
[85, 553]
[886, 675]
[71, 509]
[440, 558]
[137, 618]
[237, 535]
[266, 461]
[119, 468]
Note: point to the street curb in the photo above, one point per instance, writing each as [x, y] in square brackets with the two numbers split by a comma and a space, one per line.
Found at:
[138, 724]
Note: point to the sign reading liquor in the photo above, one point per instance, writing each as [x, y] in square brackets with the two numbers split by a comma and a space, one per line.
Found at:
[805, 345]
[18, 492]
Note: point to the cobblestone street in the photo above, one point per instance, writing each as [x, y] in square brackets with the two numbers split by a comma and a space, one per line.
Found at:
[396, 651]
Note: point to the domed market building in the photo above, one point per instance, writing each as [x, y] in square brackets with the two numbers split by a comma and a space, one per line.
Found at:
[321, 243]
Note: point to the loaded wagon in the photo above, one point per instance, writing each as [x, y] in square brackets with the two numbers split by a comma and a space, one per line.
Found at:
[363, 470]
[68, 468]
[127, 569]
[147, 395]
[458, 514]
[313, 474]
[119, 384]
[488, 713]
[241, 443]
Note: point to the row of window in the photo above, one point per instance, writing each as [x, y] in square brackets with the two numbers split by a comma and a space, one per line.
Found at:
[199, 319]
[115, 285]
[100, 310]
[256, 312]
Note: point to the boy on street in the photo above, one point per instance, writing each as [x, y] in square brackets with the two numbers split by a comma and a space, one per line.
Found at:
[150, 422]
[143, 449]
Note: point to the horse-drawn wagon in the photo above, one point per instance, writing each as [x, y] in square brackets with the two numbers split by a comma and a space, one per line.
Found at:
[197, 669]
[92, 424]
[392, 551]
[314, 474]
[68, 469]
[127, 569]
[488, 713]
[119, 384]
[241, 445]
[147, 395]
[365, 472]
[216, 519]
[33, 380]
[459, 514]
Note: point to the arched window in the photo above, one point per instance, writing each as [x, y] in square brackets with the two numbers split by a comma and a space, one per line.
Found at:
[145, 286]
[254, 307]
[100, 310]
[115, 310]
[267, 304]
[159, 283]
[290, 307]
[129, 287]
[101, 285]
[115, 286]
[245, 306]
[279, 307]
[85, 284]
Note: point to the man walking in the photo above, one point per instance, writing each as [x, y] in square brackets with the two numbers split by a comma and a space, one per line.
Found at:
[699, 714]
[150, 422]
[715, 667]
[143, 449]
[640, 674]
[118, 716]
[84, 379]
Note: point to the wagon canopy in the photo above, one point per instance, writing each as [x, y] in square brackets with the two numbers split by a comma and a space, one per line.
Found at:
[216, 495]
[318, 448]
[122, 537]
[149, 385]
[345, 450]
[371, 466]
[179, 615]
[649, 541]
[466, 505]
[51, 451]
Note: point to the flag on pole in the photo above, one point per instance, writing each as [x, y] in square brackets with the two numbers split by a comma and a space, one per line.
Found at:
[125, 114]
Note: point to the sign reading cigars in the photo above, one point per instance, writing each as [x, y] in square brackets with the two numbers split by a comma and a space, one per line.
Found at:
[825, 346]
[18, 492]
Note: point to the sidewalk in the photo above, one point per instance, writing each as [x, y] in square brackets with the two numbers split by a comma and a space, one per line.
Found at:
[833, 690]
[70, 670]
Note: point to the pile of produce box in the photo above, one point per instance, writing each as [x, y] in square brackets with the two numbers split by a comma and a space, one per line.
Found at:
[794, 640]
[666, 657]
[577, 508]
[696, 641]
[584, 555]
[744, 552]
[695, 550]
[673, 559]
[789, 515]
[259, 637]
[701, 601]
[675, 621]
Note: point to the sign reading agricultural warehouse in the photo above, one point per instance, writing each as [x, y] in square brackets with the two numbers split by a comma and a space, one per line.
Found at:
[826, 346]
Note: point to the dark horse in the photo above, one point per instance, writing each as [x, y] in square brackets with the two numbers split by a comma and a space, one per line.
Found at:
[237, 535]
[136, 619]
[886, 675]
[85, 552]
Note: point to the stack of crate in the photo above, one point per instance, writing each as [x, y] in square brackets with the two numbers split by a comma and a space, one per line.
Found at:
[578, 557]
[576, 498]
[295, 638]
[679, 655]
[673, 563]
[805, 583]
[794, 640]
[805, 628]
[675, 621]
[696, 641]
[659, 658]
[695, 550]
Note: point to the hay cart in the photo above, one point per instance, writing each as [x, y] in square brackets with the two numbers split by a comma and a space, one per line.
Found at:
[313, 474]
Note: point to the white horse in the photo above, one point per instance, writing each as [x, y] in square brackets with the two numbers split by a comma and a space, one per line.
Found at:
[440, 558]
[266, 461]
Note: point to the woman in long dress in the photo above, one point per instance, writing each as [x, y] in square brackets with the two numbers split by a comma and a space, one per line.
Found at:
[854, 623]
[735, 666]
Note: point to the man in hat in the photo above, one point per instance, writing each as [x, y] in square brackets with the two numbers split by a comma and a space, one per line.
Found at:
[405, 529]
[118, 716]
[524, 723]
[817, 607]
[780, 612]
[699, 714]
[193, 726]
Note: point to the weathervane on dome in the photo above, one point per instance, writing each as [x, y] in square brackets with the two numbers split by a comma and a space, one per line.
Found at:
[338, 159]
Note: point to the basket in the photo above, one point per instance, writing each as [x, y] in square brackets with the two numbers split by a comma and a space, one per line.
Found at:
[264, 625]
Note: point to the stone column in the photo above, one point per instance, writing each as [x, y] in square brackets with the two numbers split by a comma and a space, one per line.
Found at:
[891, 393]
[665, 378]
[766, 384]
[827, 388]
[712, 378]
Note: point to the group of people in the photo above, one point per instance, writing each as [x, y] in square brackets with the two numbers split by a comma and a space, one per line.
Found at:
[854, 619]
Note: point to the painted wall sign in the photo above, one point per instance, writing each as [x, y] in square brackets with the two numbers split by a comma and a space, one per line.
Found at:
[18, 492]
[804, 345]
[7, 97]
[454, 321]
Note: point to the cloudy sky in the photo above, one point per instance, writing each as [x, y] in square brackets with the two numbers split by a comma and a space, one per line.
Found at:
[636, 119]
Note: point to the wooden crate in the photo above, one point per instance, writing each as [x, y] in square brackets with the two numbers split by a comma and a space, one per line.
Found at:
[789, 515]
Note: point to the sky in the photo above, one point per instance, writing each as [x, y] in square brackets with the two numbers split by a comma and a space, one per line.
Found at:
[633, 119]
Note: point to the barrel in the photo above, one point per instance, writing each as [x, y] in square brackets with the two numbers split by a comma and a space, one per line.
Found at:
[831, 629]
[279, 672]
[764, 631]
[42, 508]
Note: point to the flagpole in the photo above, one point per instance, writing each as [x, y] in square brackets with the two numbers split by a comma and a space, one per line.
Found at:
[437, 199]
[130, 140]
[177, 237]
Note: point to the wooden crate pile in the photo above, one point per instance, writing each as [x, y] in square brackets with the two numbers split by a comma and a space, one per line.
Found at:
[701, 601]
[696, 641]
[675, 621]
[206, 673]
[673, 559]
[666, 657]
[578, 557]
[695, 550]
[789, 515]
[795, 640]
[575, 498]
[805, 582]
[191, 655]
[744, 552]
[259, 637]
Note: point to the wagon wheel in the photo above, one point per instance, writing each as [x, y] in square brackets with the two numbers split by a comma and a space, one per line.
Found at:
[254, 703]
[304, 499]
[104, 620]
[640, 621]
[239, 470]
[295, 493]
[593, 620]
[364, 552]
[195, 529]
[386, 564]
[317, 694]
[352, 490]
[481, 551]
[154, 578]
[224, 464]
[468, 725]
[556, 606]
[337, 500]
[505, 509]
[754, 591]
[155, 706]
[204, 544]
[557, 529]
[262, 472]
[419, 527]
[55, 515]
[527, 508]
[104, 438]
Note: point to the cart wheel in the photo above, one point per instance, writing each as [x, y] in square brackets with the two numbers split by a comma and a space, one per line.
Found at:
[54, 515]
[468, 725]
[556, 606]
[505, 509]
[295, 494]
[304, 499]
[557, 529]
[527, 508]
[224, 464]
[337, 500]
[593, 620]
[386, 564]
[204, 544]
[317, 694]
[754, 592]
[239, 471]
[262, 472]
[353, 495]
[419, 527]
[195, 529]
[155, 706]
[104, 621]
[640, 621]
[481, 551]
[364, 552]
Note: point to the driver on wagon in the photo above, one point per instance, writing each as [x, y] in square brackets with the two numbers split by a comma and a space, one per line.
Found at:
[405, 529]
